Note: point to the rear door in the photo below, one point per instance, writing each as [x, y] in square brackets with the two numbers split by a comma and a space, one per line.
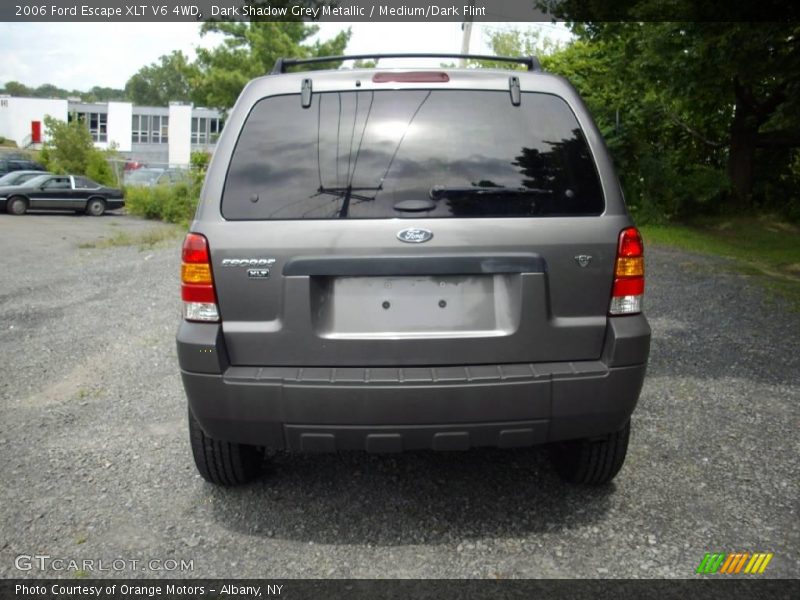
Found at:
[413, 227]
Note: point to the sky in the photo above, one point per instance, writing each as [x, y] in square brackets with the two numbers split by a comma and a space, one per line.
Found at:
[81, 55]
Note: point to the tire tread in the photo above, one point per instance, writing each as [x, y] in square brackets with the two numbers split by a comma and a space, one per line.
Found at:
[593, 462]
[223, 463]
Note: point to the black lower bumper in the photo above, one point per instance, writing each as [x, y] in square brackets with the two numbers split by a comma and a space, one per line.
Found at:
[393, 409]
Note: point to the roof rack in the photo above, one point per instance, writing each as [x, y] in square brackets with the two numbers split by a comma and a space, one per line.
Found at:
[282, 64]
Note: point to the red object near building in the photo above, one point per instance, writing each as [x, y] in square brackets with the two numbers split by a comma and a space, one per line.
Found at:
[36, 132]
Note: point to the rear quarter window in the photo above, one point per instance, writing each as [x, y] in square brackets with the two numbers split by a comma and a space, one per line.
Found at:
[411, 153]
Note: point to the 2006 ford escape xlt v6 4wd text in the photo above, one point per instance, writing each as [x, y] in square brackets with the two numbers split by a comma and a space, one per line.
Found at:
[388, 260]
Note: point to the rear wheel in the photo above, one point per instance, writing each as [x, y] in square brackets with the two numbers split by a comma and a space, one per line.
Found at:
[16, 205]
[595, 461]
[95, 207]
[223, 463]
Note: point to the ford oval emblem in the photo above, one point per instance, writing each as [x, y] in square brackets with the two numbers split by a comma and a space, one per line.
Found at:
[414, 235]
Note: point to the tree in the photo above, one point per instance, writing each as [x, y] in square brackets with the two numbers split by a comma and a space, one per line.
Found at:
[69, 149]
[725, 91]
[516, 42]
[698, 116]
[162, 82]
[731, 86]
[48, 90]
[104, 94]
[250, 50]
[15, 88]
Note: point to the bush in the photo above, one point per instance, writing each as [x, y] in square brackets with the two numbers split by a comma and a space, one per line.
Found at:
[98, 169]
[660, 190]
[171, 203]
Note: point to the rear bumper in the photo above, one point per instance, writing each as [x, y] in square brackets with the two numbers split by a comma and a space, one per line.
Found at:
[394, 409]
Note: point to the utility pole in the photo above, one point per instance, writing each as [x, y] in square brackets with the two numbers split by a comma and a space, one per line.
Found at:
[466, 28]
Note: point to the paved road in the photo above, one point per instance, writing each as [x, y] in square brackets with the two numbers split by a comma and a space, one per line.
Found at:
[95, 464]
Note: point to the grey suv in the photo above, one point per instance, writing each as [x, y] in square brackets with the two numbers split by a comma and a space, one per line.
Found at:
[390, 259]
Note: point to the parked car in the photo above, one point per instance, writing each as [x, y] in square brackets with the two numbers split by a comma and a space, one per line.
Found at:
[8, 165]
[132, 165]
[60, 192]
[391, 259]
[19, 177]
[150, 176]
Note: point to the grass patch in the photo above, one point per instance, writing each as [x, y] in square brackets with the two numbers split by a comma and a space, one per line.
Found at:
[145, 240]
[764, 247]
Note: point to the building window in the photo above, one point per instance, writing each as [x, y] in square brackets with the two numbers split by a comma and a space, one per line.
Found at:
[206, 130]
[140, 129]
[214, 129]
[199, 133]
[150, 129]
[98, 126]
[159, 129]
[97, 123]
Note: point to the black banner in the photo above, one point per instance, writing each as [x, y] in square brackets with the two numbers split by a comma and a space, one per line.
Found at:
[393, 10]
[716, 588]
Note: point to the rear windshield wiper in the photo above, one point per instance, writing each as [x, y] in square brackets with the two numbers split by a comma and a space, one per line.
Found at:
[438, 192]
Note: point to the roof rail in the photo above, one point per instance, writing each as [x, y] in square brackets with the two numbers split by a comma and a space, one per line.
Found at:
[282, 64]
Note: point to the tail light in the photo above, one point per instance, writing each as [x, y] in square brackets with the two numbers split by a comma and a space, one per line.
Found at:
[197, 281]
[628, 290]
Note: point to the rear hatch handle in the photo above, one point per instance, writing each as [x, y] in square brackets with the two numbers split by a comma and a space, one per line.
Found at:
[443, 264]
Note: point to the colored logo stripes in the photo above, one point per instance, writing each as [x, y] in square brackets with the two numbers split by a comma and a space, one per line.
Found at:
[734, 563]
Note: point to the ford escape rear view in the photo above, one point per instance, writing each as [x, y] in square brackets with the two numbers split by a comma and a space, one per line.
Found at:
[388, 260]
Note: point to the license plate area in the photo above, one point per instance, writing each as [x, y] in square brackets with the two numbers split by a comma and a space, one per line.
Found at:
[395, 307]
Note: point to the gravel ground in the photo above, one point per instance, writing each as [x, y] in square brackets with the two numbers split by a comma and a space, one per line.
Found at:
[95, 462]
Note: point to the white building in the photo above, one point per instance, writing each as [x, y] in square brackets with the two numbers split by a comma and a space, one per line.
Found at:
[148, 134]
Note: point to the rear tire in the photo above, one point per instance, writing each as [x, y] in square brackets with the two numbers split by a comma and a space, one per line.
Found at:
[95, 207]
[223, 463]
[594, 461]
[16, 206]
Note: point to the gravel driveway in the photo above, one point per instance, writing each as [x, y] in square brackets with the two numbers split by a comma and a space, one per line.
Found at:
[95, 464]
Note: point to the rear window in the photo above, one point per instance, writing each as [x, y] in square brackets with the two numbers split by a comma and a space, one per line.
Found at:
[84, 183]
[411, 153]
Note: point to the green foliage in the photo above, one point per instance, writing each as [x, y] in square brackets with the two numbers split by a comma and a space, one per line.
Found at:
[48, 90]
[15, 88]
[516, 42]
[68, 146]
[171, 203]
[250, 50]
[199, 164]
[69, 149]
[175, 203]
[199, 161]
[699, 117]
[98, 169]
[160, 83]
